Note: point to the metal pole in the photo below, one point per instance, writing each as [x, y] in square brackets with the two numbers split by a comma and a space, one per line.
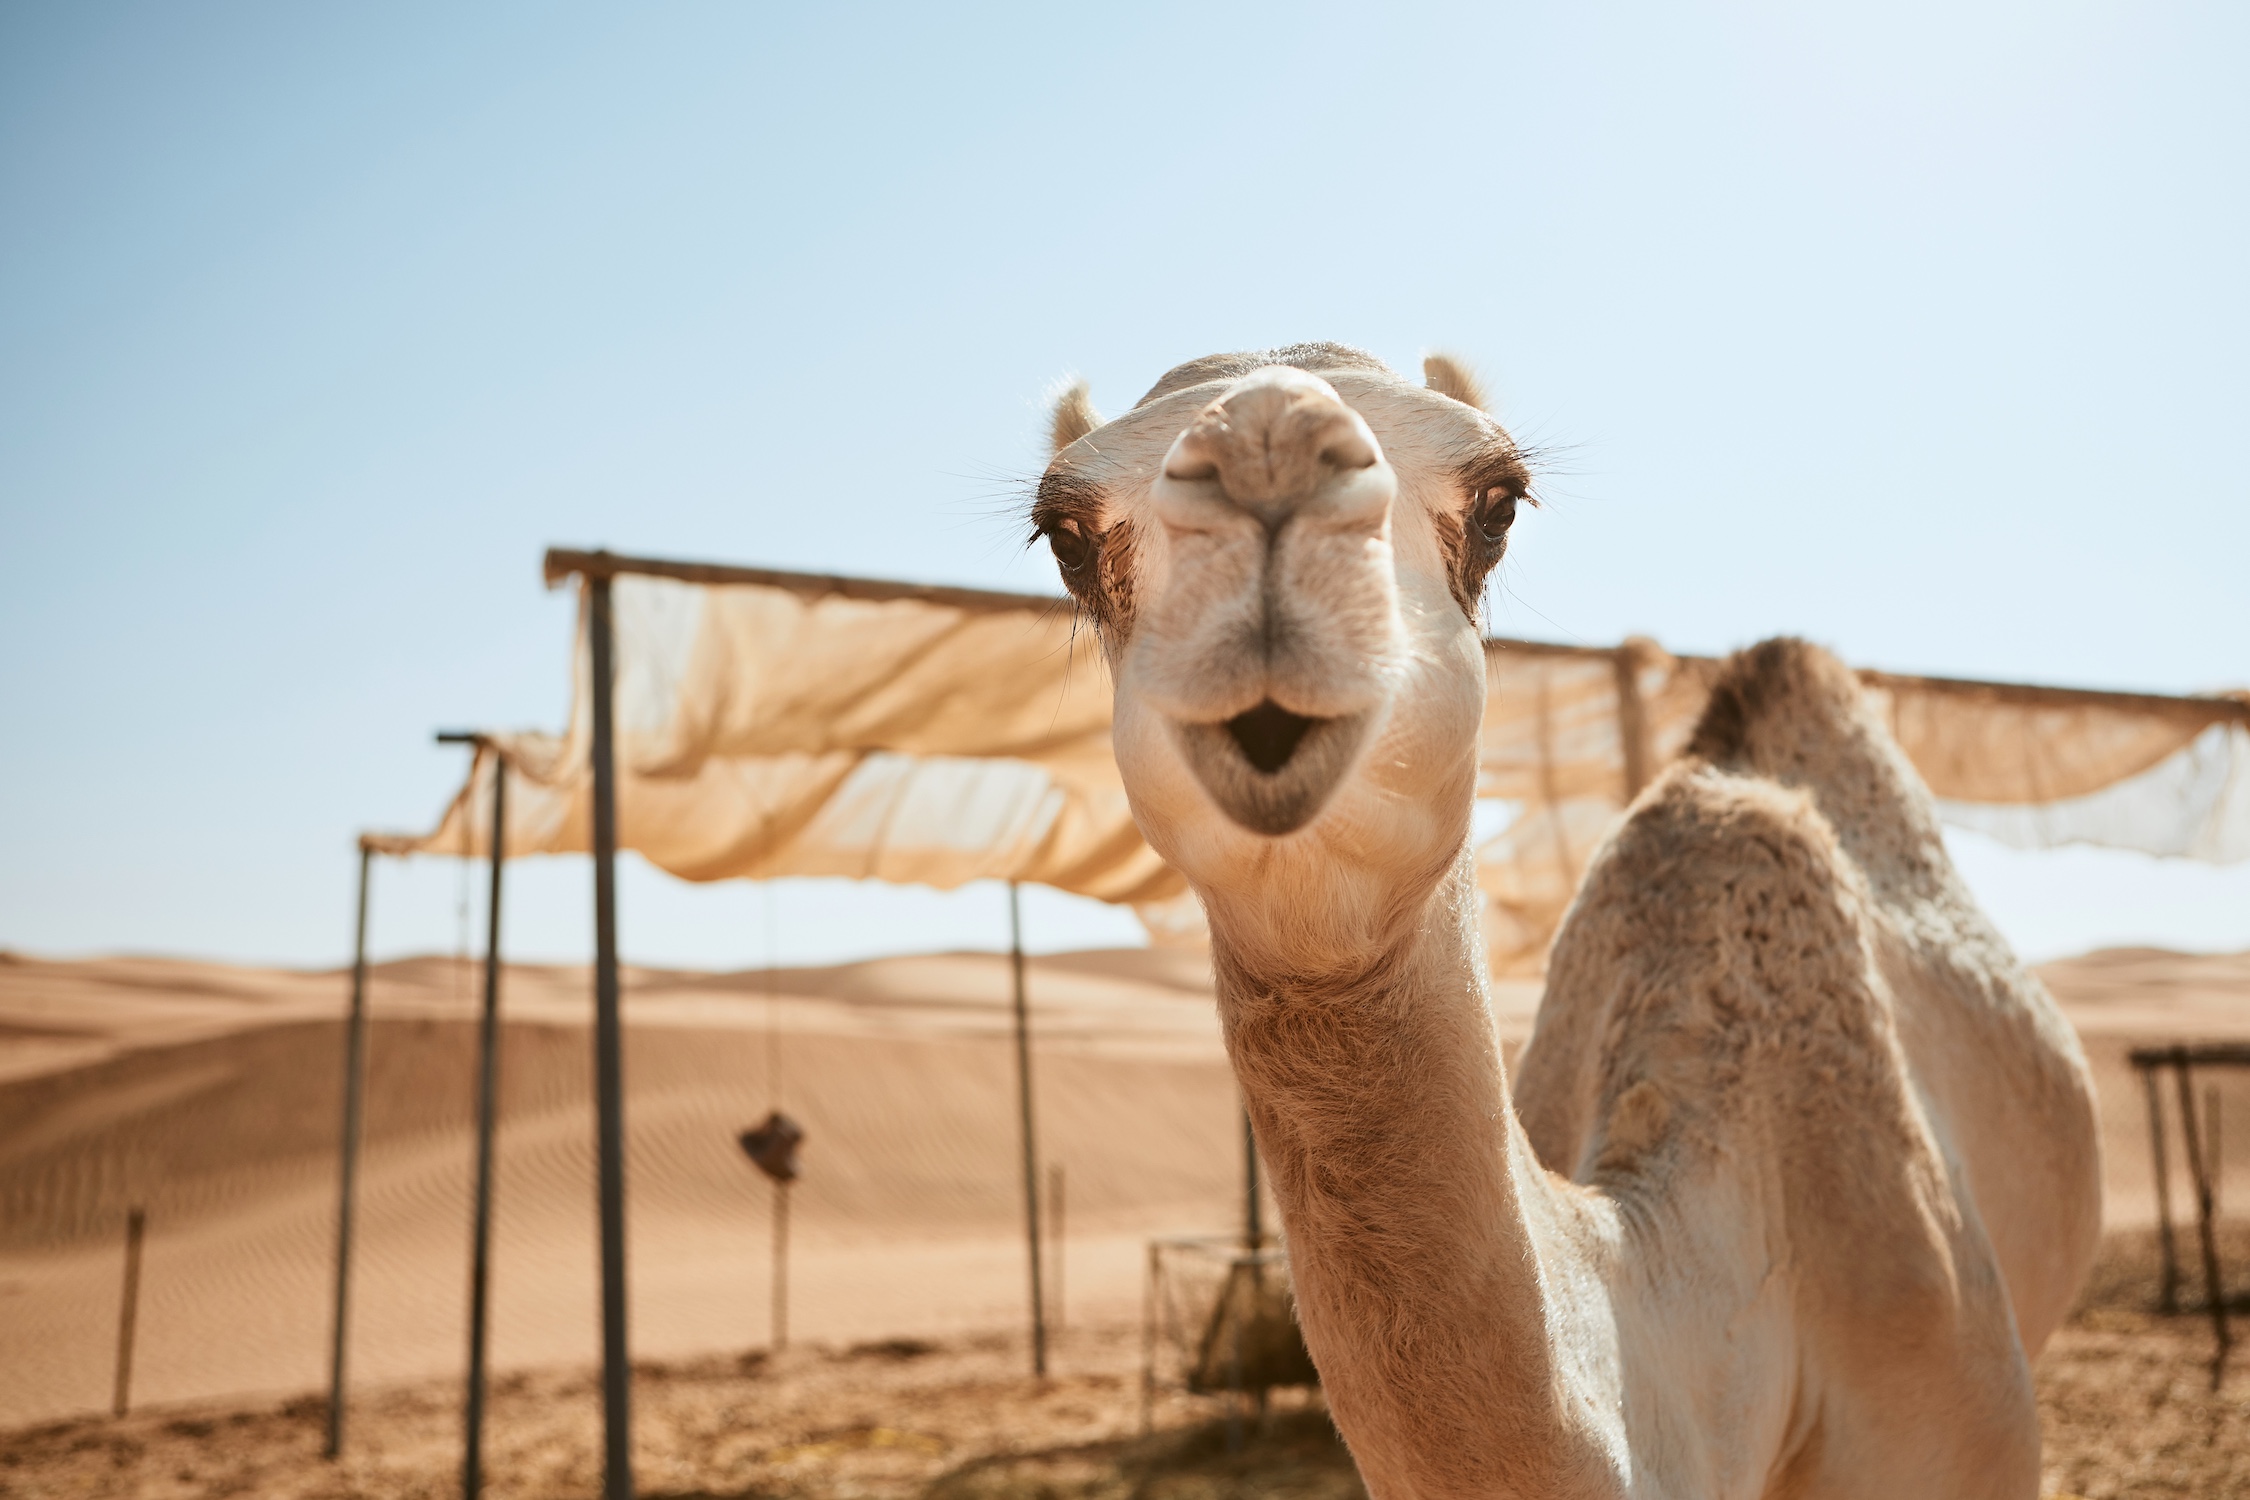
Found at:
[488, 1103]
[780, 1265]
[1253, 1216]
[128, 1308]
[2168, 1298]
[609, 1073]
[355, 1058]
[2214, 1290]
[1030, 1143]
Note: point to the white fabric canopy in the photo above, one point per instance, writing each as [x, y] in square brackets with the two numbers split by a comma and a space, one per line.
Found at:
[772, 724]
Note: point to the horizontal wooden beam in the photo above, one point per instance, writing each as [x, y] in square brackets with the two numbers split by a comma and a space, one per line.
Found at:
[565, 562]
[562, 563]
[2211, 709]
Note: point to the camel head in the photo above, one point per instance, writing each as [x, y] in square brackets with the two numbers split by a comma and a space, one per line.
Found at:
[1284, 552]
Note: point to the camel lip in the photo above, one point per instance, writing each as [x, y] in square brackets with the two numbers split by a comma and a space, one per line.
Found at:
[1269, 769]
[1268, 735]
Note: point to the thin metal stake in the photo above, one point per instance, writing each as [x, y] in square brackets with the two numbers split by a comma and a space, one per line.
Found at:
[128, 1308]
[355, 1061]
[488, 1103]
[780, 1265]
[609, 1072]
[2168, 1298]
[1030, 1144]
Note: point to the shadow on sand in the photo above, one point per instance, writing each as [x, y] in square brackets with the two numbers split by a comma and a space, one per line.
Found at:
[1289, 1456]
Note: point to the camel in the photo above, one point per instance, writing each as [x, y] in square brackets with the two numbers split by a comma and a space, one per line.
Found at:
[1800, 1169]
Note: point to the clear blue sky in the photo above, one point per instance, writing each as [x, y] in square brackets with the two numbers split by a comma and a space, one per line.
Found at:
[1918, 329]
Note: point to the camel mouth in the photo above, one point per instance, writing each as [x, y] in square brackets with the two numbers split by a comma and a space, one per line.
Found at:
[1269, 735]
[1269, 769]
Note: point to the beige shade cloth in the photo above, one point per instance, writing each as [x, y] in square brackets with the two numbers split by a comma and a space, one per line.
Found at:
[934, 737]
[1570, 732]
[772, 724]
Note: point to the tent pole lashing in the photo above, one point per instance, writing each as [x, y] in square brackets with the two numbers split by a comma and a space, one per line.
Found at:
[1030, 1141]
[355, 1058]
[609, 1073]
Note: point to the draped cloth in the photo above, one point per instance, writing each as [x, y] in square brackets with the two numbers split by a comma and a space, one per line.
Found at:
[772, 724]
[1571, 733]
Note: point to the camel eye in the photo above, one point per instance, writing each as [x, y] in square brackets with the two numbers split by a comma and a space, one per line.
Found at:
[1496, 512]
[1073, 549]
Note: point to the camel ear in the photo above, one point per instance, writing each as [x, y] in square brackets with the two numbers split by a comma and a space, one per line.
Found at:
[1450, 377]
[1074, 417]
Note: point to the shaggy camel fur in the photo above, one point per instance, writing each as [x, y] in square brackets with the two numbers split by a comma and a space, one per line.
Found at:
[1823, 1163]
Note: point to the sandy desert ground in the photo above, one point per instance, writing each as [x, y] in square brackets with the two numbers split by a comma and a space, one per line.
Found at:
[2123, 1395]
[209, 1095]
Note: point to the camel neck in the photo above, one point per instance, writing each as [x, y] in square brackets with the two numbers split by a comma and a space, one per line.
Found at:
[1382, 1114]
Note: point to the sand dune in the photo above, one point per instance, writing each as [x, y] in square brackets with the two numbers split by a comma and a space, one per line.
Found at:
[209, 1094]
[214, 1103]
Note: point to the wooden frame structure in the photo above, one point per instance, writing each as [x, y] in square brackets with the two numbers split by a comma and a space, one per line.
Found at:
[2199, 1132]
[598, 569]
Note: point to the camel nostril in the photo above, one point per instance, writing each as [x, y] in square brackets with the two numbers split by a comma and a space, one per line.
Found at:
[1350, 451]
[1269, 734]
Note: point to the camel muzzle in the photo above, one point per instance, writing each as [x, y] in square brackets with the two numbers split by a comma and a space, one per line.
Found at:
[1271, 770]
[1269, 734]
[1279, 441]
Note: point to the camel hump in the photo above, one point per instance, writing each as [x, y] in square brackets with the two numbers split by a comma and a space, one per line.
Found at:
[1790, 712]
[1765, 697]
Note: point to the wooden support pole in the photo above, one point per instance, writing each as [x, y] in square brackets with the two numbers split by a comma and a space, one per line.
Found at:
[1253, 1206]
[1151, 1290]
[2168, 1296]
[2217, 1164]
[347, 1174]
[488, 1105]
[128, 1310]
[1030, 1141]
[1632, 716]
[1055, 1240]
[2213, 1289]
[609, 1071]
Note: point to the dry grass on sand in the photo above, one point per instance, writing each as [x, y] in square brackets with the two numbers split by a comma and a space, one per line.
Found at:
[900, 1418]
[2124, 1395]
[2125, 1398]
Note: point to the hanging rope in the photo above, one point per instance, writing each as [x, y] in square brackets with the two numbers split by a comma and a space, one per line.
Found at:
[773, 1002]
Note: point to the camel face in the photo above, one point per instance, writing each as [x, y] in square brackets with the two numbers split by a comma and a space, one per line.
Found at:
[1283, 552]
[1834, 1153]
